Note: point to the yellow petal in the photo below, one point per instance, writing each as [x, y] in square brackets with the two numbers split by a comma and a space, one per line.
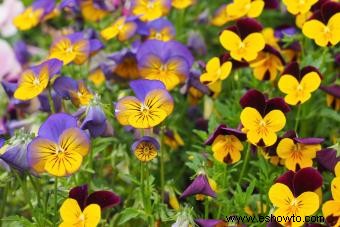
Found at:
[315, 29]
[213, 65]
[275, 120]
[30, 86]
[309, 203]
[280, 195]
[335, 187]
[337, 169]
[253, 136]
[269, 138]
[81, 50]
[216, 86]
[293, 98]
[256, 8]
[159, 99]
[310, 82]
[92, 215]
[288, 84]
[225, 70]
[250, 118]
[147, 120]
[125, 108]
[109, 32]
[254, 42]
[74, 140]
[70, 211]
[63, 164]
[230, 40]
[334, 27]
[58, 51]
[285, 148]
[331, 208]
[42, 149]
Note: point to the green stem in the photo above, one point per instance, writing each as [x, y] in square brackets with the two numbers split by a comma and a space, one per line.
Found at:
[162, 150]
[50, 100]
[245, 163]
[206, 208]
[297, 118]
[25, 191]
[224, 180]
[3, 203]
[36, 189]
[55, 201]
[148, 195]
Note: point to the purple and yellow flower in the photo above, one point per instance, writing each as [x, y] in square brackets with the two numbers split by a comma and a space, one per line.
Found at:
[243, 40]
[169, 62]
[201, 186]
[161, 29]
[298, 153]
[68, 88]
[148, 10]
[249, 8]
[173, 139]
[327, 159]
[215, 74]
[97, 77]
[93, 10]
[296, 7]
[33, 81]
[81, 209]
[123, 28]
[299, 84]
[145, 149]
[182, 4]
[37, 12]
[75, 47]
[268, 64]
[333, 96]
[95, 120]
[59, 147]
[150, 107]
[262, 118]
[324, 27]
[226, 144]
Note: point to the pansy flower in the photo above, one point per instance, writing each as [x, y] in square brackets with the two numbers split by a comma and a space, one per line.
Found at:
[294, 194]
[33, 81]
[77, 91]
[296, 7]
[161, 29]
[75, 47]
[249, 8]
[268, 64]
[182, 4]
[226, 144]
[221, 17]
[331, 208]
[243, 40]
[94, 120]
[299, 84]
[327, 159]
[146, 148]
[81, 209]
[123, 28]
[333, 96]
[215, 74]
[173, 139]
[262, 118]
[150, 107]
[148, 10]
[34, 14]
[297, 152]
[324, 27]
[169, 62]
[200, 185]
[97, 77]
[59, 147]
[93, 10]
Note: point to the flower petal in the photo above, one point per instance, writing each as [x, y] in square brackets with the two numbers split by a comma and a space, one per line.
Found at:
[75, 140]
[280, 195]
[105, 199]
[63, 164]
[70, 211]
[92, 215]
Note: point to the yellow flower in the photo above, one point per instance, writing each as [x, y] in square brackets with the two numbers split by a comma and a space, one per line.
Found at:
[72, 215]
[145, 149]
[246, 49]
[301, 18]
[90, 12]
[299, 6]
[215, 74]
[287, 205]
[149, 10]
[97, 77]
[296, 154]
[182, 4]
[323, 34]
[240, 8]
[121, 29]
[299, 92]
[258, 128]
[221, 16]
[331, 209]
[269, 37]
[227, 149]
[266, 66]
[82, 96]
[337, 169]
[28, 19]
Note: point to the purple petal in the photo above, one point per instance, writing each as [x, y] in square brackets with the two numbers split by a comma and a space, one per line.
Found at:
[54, 126]
[9, 88]
[21, 52]
[142, 87]
[287, 178]
[327, 158]
[147, 139]
[80, 194]
[199, 186]
[285, 30]
[45, 105]
[63, 85]
[95, 121]
[54, 66]
[246, 26]
[332, 90]
[309, 69]
[271, 4]
[309, 141]
[306, 179]
[224, 130]
[277, 104]
[70, 4]
[208, 222]
[329, 9]
[16, 156]
[292, 69]
[105, 199]
[47, 6]
[95, 45]
[255, 99]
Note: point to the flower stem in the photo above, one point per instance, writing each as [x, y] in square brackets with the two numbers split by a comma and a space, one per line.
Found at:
[50, 100]
[36, 189]
[297, 118]
[245, 163]
[206, 208]
[3, 203]
[55, 201]
[224, 180]
[162, 150]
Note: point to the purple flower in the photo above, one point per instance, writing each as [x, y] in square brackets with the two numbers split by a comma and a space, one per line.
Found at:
[200, 185]
[94, 121]
[21, 52]
[161, 29]
[333, 95]
[105, 199]
[146, 148]
[327, 159]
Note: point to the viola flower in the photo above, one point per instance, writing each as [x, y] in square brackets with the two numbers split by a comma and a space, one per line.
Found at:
[244, 40]
[262, 118]
[221, 17]
[171, 199]
[173, 139]
[298, 152]
[268, 64]
[97, 77]
[299, 84]
[60, 146]
[210, 223]
[213, 186]
[324, 27]
[21, 52]
[161, 29]
[9, 9]
[92, 11]
[287, 204]
[123, 28]
[148, 10]
[182, 4]
[95, 120]
[169, 62]
[146, 148]
[296, 7]
[330, 209]
[149, 108]
[200, 185]
[38, 11]
[333, 96]
[75, 48]
[327, 159]
[215, 74]
[85, 210]
[33, 81]
[249, 8]
[226, 144]
[270, 38]
[68, 88]
[301, 19]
